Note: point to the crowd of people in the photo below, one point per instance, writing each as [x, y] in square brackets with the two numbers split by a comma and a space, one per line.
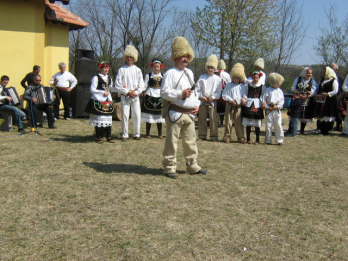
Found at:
[175, 98]
[39, 97]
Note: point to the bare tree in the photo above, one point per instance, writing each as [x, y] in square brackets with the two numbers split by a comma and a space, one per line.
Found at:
[290, 31]
[149, 25]
[332, 45]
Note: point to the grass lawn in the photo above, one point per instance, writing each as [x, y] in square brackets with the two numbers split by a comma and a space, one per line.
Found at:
[65, 197]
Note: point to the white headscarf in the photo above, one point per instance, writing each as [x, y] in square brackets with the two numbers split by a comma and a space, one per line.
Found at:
[304, 72]
[329, 73]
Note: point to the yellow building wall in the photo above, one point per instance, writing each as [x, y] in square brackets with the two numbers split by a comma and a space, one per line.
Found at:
[27, 40]
[56, 48]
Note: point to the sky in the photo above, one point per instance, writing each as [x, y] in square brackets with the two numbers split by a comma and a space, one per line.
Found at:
[314, 16]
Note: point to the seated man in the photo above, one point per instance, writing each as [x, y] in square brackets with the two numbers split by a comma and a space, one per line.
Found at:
[31, 95]
[18, 115]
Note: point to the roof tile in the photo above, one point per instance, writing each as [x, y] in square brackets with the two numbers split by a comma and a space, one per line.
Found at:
[59, 14]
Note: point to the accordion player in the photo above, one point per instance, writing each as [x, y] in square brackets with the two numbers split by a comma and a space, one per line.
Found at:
[11, 92]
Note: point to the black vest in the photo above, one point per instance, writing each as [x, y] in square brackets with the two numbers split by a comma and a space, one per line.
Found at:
[102, 84]
[254, 92]
[327, 87]
[152, 82]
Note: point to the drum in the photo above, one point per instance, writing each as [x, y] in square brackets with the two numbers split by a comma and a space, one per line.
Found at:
[117, 114]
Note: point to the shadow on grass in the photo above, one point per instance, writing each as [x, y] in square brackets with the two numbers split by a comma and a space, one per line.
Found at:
[126, 168]
[74, 138]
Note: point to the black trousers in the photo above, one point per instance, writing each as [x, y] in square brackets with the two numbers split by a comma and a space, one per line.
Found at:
[65, 96]
[42, 107]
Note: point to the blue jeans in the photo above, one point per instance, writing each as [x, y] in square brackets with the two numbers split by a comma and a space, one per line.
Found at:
[294, 122]
[18, 115]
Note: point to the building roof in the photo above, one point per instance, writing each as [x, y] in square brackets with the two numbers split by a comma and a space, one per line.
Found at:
[56, 13]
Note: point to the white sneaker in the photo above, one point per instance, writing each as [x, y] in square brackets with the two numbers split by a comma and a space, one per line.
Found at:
[67, 119]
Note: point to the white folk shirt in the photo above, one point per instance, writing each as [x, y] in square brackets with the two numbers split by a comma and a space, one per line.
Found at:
[274, 95]
[226, 77]
[171, 88]
[209, 86]
[151, 91]
[129, 78]
[233, 92]
[65, 80]
[99, 94]
[303, 81]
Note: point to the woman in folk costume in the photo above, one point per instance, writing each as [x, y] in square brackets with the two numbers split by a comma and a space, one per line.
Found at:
[100, 105]
[209, 90]
[233, 94]
[252, 102]
[307, 86]
[152, 104]
[326, 108]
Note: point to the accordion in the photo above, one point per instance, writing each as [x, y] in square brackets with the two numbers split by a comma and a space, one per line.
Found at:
[45, 95]
[11, 92]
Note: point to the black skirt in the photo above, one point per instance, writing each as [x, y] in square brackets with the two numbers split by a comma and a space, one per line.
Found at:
[307, 112]
[252, 112]
[97, 108]
[327, 109]
[151, 105]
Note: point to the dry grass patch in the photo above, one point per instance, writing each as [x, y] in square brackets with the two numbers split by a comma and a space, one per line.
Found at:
[64, 197]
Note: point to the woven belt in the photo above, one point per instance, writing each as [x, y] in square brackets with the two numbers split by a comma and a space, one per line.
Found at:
[177, 108]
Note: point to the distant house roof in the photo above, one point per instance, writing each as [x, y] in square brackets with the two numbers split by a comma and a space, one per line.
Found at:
[56, 13]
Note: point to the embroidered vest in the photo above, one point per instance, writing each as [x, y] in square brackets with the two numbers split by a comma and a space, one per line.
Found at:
[154, 82]
[303, 89]
[102, 85]
[254, 92]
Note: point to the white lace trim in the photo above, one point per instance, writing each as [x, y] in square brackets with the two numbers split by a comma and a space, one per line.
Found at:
[151, 118]
[100, 120]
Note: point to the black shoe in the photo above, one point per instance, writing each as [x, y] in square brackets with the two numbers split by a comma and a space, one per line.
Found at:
[171, 175]
[201, 171]
[52, 127]
[22, 131]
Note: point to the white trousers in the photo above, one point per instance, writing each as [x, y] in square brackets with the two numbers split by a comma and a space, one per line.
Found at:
[274, 118]
[136, 116]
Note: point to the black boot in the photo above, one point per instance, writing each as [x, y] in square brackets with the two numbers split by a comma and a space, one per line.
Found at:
[148, 128]
[159, 129]
[257, 132]
[248, 130]
[98, 134]
[303, 126]
[108, 134]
